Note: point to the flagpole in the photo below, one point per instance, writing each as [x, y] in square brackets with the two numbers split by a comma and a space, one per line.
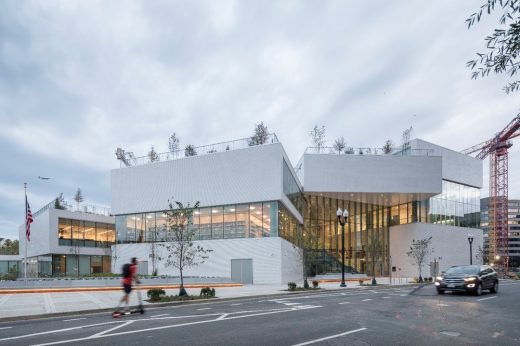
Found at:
[25, 242]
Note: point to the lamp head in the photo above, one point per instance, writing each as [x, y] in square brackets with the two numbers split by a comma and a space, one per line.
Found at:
[339, 212]
[345, 213]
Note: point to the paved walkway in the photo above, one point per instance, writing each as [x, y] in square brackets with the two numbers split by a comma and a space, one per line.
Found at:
[16, 305]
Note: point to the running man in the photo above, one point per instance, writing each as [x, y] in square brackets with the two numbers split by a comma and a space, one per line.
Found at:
[128, 278]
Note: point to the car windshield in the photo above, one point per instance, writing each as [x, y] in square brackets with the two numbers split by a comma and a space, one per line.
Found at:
[463, 270]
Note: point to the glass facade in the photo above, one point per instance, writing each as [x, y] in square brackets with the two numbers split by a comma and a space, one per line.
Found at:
[457, 205]
[78, 233]
[249, 220]
[365, 222]
[291, 189]
[74, 265]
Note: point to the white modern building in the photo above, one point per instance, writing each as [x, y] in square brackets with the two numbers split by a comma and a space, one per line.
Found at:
[254, 204]
[68, 242]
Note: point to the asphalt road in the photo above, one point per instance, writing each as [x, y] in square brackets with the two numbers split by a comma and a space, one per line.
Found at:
[380, 316]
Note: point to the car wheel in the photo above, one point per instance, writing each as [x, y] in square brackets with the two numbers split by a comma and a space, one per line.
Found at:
[478, 290]
[494, 289]
[440, 291]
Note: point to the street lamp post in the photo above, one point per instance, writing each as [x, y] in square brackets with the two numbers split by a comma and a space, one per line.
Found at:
[342, 216]
[470, 240]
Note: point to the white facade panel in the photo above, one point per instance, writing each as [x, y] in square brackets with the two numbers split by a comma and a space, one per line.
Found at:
[266, 254]
[456, 167]
[372, 173]
[450, 245]
[238, 176]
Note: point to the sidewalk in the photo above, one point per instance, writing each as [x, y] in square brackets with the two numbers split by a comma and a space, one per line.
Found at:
[42, 302]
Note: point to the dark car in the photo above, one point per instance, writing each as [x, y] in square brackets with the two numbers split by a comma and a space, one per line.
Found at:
[468, 278]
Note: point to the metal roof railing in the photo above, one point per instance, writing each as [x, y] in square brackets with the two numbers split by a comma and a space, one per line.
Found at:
[369, 151]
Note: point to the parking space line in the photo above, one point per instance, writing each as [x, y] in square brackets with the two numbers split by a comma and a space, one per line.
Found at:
[235, 304]
[479, 300]
[203, 309]
[366, 300]
[344, 303]
[329, 337]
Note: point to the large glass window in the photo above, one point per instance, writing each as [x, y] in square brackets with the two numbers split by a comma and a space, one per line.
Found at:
[217, 223]
[242, 221]
[150, 234]
[255, 220]
[89, 233]
[64, 232]
[230, 229]
[205, 223]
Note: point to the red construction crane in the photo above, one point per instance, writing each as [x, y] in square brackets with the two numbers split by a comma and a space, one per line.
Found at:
[497, 149]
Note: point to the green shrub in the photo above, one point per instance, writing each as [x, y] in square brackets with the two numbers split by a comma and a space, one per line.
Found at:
[315, 283]
[305, 284]
[155, 294]
[291, 286]
[8, 277]
[207, 292]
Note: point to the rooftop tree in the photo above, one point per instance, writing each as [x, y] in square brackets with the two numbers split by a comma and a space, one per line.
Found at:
[260, 135]
[339, 144]
[318, 137]
[78, 197]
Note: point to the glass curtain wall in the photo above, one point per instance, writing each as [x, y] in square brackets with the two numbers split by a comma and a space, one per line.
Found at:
[74, 265]
[76, 233]
[251, 220]
[365, 222]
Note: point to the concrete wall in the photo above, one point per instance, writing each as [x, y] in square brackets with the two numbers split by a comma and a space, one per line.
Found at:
[246, 175]
[449, 242]
[44, 233]
[372, 173]
[456, 167]
[266, 253]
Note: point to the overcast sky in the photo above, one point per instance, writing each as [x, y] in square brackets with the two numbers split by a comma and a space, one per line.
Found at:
[80, 78]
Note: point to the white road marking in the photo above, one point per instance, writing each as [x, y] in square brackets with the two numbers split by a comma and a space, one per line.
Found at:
[290, 304]
[442, 305]
[58, 330]
[329, 337]
[344, 303]
[478, 300]
[170, 326]
[75, 319]
[222, 317]
[159, 315]
[6, 328]
[203, 309]
[366, 300]
[235, 304]
[386, 297]
[403, 295]
[111, 329]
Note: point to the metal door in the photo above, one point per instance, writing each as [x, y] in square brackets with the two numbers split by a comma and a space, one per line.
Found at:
[242, 270]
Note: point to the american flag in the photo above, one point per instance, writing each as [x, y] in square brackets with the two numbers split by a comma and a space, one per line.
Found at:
[28, 220]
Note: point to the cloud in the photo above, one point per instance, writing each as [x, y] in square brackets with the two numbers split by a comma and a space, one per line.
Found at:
[79, 79]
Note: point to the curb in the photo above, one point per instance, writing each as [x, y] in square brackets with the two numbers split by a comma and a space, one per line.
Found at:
[195, 302]
[110, 288]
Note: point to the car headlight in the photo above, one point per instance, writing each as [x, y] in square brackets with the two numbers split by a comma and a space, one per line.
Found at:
[440, 278]
[470, 279]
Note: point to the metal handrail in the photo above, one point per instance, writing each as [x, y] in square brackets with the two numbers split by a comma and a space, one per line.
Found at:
[201, 150]
[369, 151]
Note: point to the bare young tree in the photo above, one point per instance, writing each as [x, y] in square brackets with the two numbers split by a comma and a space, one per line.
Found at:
[182, 252]
[479, 254]
[260, 135]
[339, 144]
[173, 143]
[318, 137]
[418, 252]
[152, 155]
[78, 197]
[306, 241]
[156, 256]
[375, 251]
[388, 147]
[190, 150]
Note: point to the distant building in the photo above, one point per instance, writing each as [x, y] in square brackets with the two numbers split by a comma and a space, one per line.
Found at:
[68, 242]
[514, 229]
[253, 204]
